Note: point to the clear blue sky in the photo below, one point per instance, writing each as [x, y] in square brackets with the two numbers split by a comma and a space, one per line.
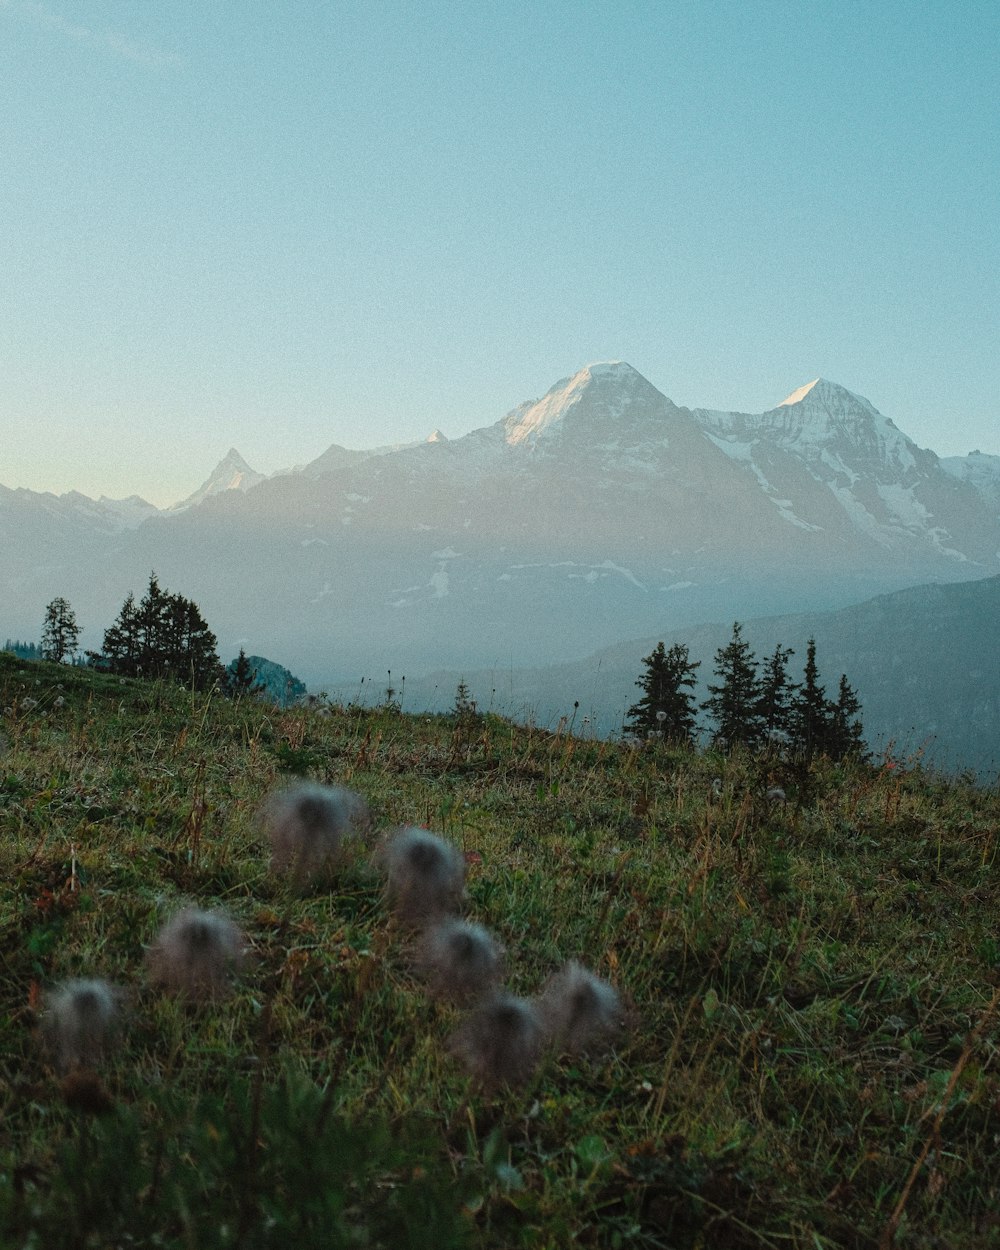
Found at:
[284, 225]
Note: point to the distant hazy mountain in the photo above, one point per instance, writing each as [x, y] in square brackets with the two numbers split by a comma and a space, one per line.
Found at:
[982, 471]
[601, 511]
[231, 473]
[923, 660]
[336, 457]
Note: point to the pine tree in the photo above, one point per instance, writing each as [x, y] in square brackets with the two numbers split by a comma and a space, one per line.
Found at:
[187, 644]
[464, 707]
[241, 678]
[811, 712]
[152, 630]
[774, 700]
[60, 632]
[845, 729]
[734, 704]
[120, 653]
[667, 704]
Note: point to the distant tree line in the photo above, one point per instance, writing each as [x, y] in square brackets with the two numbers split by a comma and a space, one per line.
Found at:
[163, 636]
[24, 650]
[752, 703]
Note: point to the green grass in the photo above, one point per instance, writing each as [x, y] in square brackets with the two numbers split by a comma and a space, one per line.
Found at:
[812, 1058]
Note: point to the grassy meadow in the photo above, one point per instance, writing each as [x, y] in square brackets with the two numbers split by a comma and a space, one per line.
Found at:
[813, 989]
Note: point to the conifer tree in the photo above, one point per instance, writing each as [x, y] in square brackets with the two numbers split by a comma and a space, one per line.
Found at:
[811, 710]
[464, 707]
[121, 643]
[734, 703]
[774, 700]
[151, 630]
[241, 678]
[667, 703]
[60, 632]
[845, 729]
[187, 645]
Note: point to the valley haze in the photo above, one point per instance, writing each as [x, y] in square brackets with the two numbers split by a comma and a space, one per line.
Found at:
[599, 513]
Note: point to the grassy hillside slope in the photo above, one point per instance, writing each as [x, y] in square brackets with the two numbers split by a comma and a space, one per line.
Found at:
[811, 1059]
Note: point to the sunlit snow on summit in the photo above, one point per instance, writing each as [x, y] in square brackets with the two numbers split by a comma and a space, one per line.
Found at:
[797, 396]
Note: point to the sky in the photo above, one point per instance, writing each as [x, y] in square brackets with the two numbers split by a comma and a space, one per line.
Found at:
[281, 226]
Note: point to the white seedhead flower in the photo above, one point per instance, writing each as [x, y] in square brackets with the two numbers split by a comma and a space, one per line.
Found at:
[425, 876]
[196, 953]
[580, 1012]
[307, 826]
[459, 960]
[80, 1022]
[500, 1042]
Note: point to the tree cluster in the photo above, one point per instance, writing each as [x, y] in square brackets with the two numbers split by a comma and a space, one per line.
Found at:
[163, 635]
[754, 704]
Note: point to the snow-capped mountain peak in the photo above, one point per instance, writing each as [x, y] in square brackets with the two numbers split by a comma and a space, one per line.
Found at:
[231, 473]
[612, 385]
[825, 414]
[821, 391]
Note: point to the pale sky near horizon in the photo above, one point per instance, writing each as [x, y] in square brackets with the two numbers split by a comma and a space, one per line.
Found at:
[284, 226]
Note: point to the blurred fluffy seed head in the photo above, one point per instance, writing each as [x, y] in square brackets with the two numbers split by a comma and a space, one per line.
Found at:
[581, 1013]
[425, 876]
[80, 1022]
[196, 953]
[460, 961]
[307, 826]
[500, 1042]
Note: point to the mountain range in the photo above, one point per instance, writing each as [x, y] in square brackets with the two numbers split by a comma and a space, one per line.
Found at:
[600, 512]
